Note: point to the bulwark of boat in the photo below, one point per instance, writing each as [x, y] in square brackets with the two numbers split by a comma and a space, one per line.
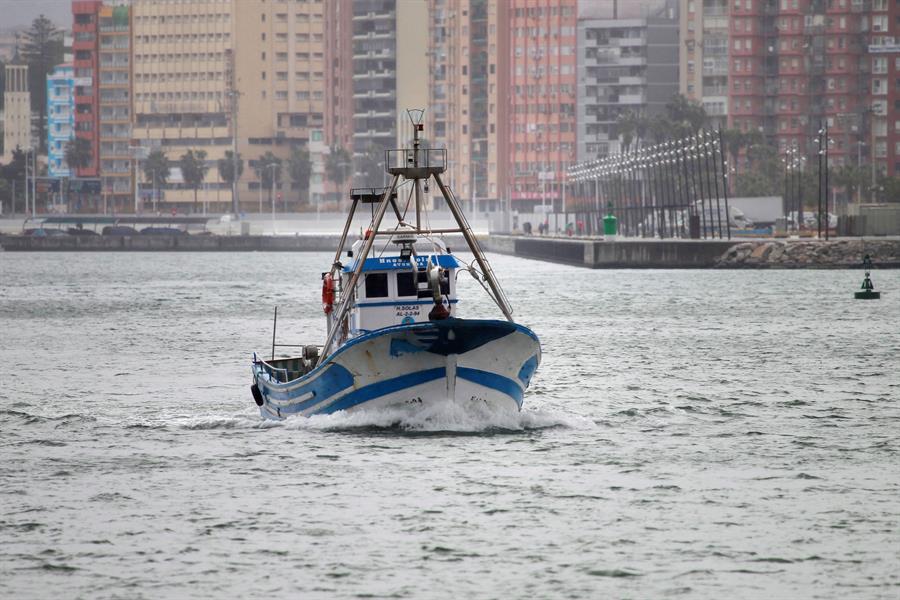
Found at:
[463, 360]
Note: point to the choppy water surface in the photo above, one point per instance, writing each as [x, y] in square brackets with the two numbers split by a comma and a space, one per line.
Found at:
[710, 434]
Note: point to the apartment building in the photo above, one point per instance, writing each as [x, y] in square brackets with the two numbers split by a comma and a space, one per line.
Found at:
[181, 63]
[797, 64]
[117, 161]
[542, 99]
[279, 73]
[60, 119]
[390, 75]
[703, 65]
[625, 65]
[86, 80]
[17, 110]
[883, 56]
[468, 54]
[339, 74]
[205, 69]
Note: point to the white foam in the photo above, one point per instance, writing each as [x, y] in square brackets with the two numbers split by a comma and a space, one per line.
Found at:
[442, 416]
[450, 416]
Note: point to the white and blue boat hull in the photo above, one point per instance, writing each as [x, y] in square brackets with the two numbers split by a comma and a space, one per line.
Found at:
[464, 360]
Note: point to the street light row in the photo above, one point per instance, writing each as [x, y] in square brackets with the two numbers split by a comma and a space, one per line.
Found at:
[704, 143]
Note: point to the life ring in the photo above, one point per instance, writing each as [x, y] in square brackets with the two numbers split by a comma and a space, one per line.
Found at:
[328, 293]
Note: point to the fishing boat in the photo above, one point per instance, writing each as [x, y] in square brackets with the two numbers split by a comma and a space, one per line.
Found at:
[393, 335]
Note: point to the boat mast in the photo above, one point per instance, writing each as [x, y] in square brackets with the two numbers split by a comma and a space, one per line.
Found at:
[341, 313]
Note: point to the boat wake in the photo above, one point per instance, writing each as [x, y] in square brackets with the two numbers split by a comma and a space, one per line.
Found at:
[445, 417]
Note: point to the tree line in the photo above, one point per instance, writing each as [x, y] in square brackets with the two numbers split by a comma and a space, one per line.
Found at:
[268, 168]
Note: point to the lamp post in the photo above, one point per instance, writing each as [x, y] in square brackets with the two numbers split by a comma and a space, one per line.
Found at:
[785, 201]
[33, 184]
[154, 189]
[138, 153]
[260, 191]
[823, 142]
[272, 166]
[27, 150]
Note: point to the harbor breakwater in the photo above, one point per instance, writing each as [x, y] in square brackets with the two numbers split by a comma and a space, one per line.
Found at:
[798, 254]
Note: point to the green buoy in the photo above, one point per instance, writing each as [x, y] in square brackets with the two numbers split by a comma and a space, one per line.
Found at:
[868, 288]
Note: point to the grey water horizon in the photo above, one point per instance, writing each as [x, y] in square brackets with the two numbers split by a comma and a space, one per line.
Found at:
[698, 434]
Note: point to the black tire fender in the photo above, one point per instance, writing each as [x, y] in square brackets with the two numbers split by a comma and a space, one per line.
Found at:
[257, 395]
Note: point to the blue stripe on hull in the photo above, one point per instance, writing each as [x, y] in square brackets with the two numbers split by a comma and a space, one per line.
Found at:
[332, 380]
[328, 388]
[383, 388]
[493, 381]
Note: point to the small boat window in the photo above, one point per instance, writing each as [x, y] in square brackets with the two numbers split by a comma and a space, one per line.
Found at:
[405, 284]
[376, 285]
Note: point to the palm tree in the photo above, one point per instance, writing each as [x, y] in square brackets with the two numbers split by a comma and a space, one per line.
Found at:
[627, 125]
[735, 141]
[688, 116]
[226, 169]
[14, 171]
[268, 171]
[338, 166]
[369, 166]
[193, 170]
[852, 179]
[156, 169]
[300, 169]
[78, 154]
[226, 166]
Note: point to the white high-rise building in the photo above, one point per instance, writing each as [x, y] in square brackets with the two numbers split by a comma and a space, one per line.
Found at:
[17, 117]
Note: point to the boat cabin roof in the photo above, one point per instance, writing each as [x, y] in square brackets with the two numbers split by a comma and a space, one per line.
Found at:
[397, 263]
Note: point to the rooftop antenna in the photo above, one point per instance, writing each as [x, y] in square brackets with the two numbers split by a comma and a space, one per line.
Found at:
[416, 115]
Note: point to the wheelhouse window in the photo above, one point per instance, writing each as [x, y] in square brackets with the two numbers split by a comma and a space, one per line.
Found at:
[376, 285]
[406, 283]
[407, 287]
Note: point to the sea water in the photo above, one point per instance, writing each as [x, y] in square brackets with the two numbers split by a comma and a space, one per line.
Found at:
[706, 434]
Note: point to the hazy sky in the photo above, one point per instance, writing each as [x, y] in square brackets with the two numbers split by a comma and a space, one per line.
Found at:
[23, 12]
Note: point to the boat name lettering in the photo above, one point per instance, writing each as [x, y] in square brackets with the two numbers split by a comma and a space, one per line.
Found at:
[408, 310]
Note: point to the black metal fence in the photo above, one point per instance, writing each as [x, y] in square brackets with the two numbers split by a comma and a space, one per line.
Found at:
[675, 189]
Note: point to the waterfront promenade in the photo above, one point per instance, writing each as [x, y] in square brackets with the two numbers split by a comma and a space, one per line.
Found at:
[311, 232]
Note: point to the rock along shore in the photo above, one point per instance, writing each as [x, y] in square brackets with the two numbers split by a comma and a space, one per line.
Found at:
[798, 254]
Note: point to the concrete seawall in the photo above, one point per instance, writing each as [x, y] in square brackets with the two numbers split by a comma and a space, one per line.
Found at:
[700, 254]
[601, 254]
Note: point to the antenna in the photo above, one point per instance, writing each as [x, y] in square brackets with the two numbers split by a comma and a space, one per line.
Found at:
[416, 115]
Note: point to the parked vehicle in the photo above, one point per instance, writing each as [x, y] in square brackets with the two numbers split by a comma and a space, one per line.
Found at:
[163, 231]
[119, 230]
